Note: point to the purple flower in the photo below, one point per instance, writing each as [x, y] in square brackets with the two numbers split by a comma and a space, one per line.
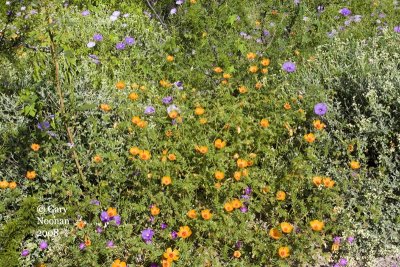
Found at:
[43, 245]
[120, 46]
[82, 246]
[336, 265]
[174, 235]
[43, 125]
[320, 109]
[126, 15]
[164, 226]
[91, 44]
[85, 13]
[239, 244]
[116, 13]
[178, 85]
[173, 11]
[98, 37]
[167, 100]
[99, 230]
[397, 29]
[94, 58]
[113, 18]
[248, 191]
[129, 40]
[347, 22]
[245, 197]
[95, 202]
[25, 253]
[289, 66]
[153, 264]
[332, 33]
[244, 209]
[345, 12]
[110, 244]
[350, 239]
[147, 235]
[117, 219]
[265, 32]
[52, 134]
[320, 9]
[336, 239]
[149, 110]
[342, 262]
[179, 2]
[104, 216]
[296, 2]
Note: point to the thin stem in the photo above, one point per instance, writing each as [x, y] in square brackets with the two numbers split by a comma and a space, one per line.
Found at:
[57, 84]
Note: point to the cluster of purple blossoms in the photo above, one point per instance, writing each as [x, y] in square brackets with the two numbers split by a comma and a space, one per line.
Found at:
[397, 29]
[320, 109]
[167, 100]
[149, 110]
[342, 262]
[345, 12]
[104, 217]
[147, 235]
[246, 197]
[127, 41]
[42, 246]
[289, 66]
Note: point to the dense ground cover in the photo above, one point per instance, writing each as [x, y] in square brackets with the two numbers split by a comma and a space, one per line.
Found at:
[199, 133]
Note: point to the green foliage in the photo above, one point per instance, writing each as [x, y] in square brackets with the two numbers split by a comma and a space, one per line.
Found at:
[86, 133]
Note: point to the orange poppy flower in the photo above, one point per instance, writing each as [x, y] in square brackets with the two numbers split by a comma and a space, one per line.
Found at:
[134, 150]
[4, 184]
[309, 138]
[170, 58]
[264, 70]
[258, 85]
[265, 62]
[264, 123]
[80, 224]
[237, 175]
[112, 212]
[97, 159]
[105, 107]
[228, 207]
[237, 254]
[135, 119]
[184, 231]
[145, 155]
[354, 165]
[202, 149]
[242, 89]
[286, 227]
[227, 76]
[219, 143]
[120, 85]
[241, 163]
[318, 125]
[287, 106]
[253, 69]
[284, 252]
[317, 180]
[154, 210]
[133, 96]
[31, 175]
[251, 56]
[219, 175]
[280, 195]
[236, 203]
[199, 111]
[317, 225]
[192, 214]
[118, 263]
[206, 214]
[203, 120]
[12, 185]
[218, 70]
[173, 114]
[166, 180]
[35, 147]
[171, 255]
[171, 157]
[275, 234]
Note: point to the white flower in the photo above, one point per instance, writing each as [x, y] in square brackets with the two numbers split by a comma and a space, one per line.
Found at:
[116, 13]
[91, 44]
[113, 18]
[8, 3]
[23, 8]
